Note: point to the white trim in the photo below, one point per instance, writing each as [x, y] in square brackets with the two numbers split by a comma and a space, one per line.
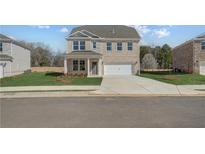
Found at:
[78, 45]
[202, 45]
[84, 64]
[73, 65]
[65, 66]
[95, 44]
[91, 33]
[88, 67]
[79, 32]
[107, 46]
[128, 46]
[100, 67]
[117, 47]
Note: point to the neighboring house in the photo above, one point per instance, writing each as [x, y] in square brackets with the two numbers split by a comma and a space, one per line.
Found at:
[190, 56]
[14, 57]
[97, 50]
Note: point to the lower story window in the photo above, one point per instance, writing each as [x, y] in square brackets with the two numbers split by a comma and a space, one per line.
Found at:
[82, 65]
[75, 65]
[1, 46]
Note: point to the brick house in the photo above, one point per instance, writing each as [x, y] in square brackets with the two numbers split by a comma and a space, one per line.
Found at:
[97, 50]
[190, 56]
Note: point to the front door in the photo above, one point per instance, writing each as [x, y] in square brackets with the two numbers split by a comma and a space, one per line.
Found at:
[94, 68]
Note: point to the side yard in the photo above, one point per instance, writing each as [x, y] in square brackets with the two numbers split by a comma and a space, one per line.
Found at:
[47, 79]
[175, 78]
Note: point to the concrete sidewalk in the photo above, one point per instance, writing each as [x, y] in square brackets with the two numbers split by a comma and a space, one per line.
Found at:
[48, 88]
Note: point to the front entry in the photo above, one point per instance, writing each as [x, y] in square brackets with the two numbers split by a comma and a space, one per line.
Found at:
[94, 68]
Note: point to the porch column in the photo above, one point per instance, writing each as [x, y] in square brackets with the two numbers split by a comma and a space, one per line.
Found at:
[88, 67]
[100, 67]
[65, 66]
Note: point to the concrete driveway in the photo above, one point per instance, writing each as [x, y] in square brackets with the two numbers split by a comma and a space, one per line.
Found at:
[130, 84]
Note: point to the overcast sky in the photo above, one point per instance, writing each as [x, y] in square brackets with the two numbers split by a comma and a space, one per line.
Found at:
[54, 35]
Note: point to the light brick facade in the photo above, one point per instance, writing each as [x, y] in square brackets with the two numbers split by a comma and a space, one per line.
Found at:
[113, 57]
[187, 56]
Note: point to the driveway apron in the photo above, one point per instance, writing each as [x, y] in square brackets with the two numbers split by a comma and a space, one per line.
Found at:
[130, 84]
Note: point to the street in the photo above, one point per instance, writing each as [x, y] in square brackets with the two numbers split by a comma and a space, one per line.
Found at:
[103, 112]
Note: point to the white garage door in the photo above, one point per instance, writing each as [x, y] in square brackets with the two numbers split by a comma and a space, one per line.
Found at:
[117, 69]
[202, 67]
[1, 71]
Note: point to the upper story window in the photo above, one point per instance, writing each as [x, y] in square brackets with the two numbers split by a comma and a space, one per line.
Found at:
[129, 46]
[109, 46]
[1, 46]
[203, 45]
[75, 45]
[82, 45]
[78, 45]
[119, 46]
[94, 45]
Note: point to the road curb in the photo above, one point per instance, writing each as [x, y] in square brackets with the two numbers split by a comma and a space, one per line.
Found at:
[58, 94]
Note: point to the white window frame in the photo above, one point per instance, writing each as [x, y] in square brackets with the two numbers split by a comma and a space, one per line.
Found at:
[1, 46]
[75, 45]
[82, 45]
[118, 46]
[81, 64]
[94, 44]
[129, 46]
[203, 45]
[77, 65]
[109, 46]
[79, 45]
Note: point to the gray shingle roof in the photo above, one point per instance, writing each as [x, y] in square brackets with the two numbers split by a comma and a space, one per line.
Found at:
[4, 38]
[201, 35]
[110, 31]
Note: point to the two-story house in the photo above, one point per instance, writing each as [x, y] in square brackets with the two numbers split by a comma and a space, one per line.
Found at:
[97, 50]
[190, 56]
[14, 57]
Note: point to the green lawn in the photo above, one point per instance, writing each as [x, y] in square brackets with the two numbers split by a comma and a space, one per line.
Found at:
[175, 78]
[47, 79]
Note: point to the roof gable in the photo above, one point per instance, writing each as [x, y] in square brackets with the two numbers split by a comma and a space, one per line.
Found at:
[5, 38]
[78, 34]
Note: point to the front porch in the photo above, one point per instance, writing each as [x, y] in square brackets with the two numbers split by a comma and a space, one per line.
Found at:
[86, 63]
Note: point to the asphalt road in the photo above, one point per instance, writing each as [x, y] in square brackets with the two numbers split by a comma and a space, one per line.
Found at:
[103, 112]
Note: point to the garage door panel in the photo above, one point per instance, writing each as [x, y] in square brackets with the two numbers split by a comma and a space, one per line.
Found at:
[202, 67]
[117, 69]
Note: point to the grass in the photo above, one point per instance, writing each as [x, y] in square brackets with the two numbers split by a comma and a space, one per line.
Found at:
[175, 78]
[47, 79]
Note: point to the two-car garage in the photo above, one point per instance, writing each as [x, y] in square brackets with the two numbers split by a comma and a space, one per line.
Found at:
[118, 69]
